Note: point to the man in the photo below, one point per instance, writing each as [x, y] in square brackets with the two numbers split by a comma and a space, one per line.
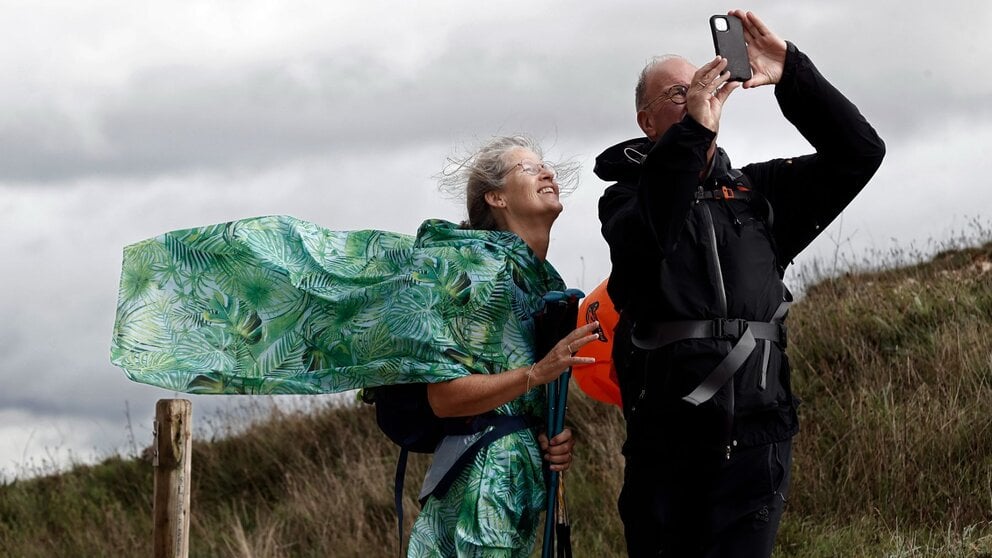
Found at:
[698, 251]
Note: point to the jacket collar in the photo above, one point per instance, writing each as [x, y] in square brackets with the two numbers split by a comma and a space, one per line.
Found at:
[622, 162]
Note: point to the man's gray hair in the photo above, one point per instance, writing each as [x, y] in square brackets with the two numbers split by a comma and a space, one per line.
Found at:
[642, 81]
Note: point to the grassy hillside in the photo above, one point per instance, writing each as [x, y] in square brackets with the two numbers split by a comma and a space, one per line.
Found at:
[895, 453]
[894, 457]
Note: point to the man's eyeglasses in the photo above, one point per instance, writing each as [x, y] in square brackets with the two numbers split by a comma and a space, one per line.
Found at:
[675, 94]
[534, 169]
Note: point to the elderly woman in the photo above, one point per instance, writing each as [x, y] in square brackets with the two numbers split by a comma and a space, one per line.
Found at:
[493, 508]
[278, 305]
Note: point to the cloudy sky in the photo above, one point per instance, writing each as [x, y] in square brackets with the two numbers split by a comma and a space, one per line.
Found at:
[124, 119]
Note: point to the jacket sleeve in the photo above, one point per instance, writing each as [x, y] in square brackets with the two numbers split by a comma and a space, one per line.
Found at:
[808, 192]
[670, 177]
[641, 220]
[627, 237]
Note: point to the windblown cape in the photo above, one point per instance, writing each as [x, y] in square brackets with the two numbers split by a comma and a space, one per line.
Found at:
[278, 305]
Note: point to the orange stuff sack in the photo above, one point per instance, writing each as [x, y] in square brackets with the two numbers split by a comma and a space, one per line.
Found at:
[598, 380]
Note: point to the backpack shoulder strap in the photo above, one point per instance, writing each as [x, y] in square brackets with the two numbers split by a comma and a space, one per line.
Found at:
[398, 497]
[451, 458]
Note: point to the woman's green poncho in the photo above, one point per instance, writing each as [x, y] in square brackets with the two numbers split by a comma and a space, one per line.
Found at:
[275, 305]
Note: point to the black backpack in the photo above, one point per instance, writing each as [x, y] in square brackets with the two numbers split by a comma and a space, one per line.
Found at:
[405, 416]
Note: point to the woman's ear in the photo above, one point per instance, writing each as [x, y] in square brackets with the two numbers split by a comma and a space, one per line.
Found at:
[495, 198]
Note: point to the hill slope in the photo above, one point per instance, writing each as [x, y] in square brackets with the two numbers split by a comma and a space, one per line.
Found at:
[895, 369]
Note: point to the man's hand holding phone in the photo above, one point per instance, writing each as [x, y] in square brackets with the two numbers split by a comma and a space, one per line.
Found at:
[708, 91]
[749, 45]
[765, 50]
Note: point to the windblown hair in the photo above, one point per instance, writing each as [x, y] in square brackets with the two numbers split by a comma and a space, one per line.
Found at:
[642, 82]
[485, 171]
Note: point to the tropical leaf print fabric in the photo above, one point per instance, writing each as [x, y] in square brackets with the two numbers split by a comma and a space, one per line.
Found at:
[492, 510]
[277, 305]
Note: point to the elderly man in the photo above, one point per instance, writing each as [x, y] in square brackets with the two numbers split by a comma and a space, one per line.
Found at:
[698, 250]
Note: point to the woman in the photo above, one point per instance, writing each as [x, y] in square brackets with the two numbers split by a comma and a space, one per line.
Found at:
[277, 305]
[508, 188]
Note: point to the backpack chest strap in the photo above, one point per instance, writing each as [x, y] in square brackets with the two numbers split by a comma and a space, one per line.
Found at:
[656, 335]
[652, 336]
[724, 193]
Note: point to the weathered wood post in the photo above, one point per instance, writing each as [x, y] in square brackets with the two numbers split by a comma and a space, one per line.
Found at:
[173, 444]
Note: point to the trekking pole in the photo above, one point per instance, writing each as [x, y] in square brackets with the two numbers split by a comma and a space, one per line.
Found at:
[549, 522]
[557, 530]
[558, 319]
[563, 530]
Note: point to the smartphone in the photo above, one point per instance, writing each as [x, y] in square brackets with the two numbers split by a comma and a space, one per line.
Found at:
[728, 39]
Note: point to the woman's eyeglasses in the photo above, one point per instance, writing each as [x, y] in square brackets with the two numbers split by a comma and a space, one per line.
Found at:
[534, 169]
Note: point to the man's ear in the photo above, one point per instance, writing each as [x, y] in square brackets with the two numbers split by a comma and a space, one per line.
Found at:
[495, 198]
[645, 123]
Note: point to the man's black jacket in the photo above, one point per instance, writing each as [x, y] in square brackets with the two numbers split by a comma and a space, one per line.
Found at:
[663, 257]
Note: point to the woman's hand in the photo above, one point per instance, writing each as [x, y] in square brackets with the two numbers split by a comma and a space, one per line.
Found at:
[480, 393]
[558, 453]
[562, 356]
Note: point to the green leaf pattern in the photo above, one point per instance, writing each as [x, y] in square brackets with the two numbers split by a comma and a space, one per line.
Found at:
[275, 305]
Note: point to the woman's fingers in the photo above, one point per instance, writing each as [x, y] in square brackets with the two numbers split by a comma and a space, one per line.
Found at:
[559, 452]
[582, 342]
[564, 438]
[562, 356]
[559, 445]
[579, 337]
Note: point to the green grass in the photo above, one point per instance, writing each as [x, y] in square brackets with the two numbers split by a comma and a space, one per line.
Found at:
[894, 458]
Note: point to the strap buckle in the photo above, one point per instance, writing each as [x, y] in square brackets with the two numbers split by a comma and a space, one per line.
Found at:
[730, 330]
[728, 193]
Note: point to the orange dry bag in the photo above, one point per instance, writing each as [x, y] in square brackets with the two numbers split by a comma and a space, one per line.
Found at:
[598, 380]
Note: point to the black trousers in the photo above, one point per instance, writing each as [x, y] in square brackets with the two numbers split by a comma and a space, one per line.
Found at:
[687, 504]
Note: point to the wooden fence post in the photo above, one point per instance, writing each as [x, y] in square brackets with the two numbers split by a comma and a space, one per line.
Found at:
[173, 444]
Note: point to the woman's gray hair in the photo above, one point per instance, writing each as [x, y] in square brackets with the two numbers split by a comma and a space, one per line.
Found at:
[485, 170]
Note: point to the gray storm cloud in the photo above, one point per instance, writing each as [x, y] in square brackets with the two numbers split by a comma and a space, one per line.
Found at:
[121, 121]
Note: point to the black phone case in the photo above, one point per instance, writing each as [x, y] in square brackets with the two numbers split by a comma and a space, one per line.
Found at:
[730, 45]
